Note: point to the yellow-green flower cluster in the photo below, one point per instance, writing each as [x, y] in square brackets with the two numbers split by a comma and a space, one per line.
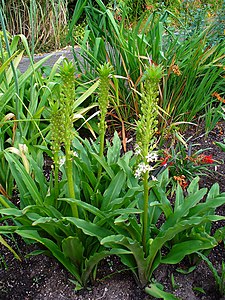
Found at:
[62, 110]
[57, 132]
[103, 99]
[147, 124]
[67, 97]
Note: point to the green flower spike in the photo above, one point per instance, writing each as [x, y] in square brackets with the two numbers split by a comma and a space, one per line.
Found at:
[146, 129]
[67, 98]
[103, 101]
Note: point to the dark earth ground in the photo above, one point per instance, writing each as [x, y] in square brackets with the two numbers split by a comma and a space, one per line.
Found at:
[43, 278]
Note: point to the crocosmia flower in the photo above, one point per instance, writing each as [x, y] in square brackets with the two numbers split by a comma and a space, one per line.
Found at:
[206, 159]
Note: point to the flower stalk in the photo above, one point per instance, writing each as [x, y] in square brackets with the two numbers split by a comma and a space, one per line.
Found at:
[56, 137]
[62, 129]
[146, 129]
[67, 97]
[103, 100]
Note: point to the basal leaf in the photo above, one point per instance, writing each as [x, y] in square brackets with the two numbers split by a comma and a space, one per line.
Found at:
[15, 212]
[4, 243]
[73, 248]
[179, 251]
[92, 209]
[113, 152]
[25, 178]
[103, 164]
[183, 209]
[158, 293]
[114, 189]
[134, 247]
[89, 228]
[55, 250]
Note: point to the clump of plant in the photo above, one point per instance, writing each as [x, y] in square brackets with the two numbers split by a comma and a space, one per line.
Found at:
[137, 233]
[184, 164]
[66, 215]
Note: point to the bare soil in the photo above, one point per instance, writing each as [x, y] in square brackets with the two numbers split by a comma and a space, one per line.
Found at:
[43, 278]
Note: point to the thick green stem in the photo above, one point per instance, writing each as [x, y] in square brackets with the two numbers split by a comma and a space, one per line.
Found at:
[145, 212]
[69, 174]
[101, 150]
[56, 178]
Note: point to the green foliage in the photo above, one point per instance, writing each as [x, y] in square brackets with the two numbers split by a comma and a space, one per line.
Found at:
[184, 230]
[192, 69]
[133, 9]
[99, 207]
[221, 145]
[156, 290]
[193, 74]
[125, 49]
[219, 278]
[40, 220]
[183, 162]
[4, 243]
[22, 101]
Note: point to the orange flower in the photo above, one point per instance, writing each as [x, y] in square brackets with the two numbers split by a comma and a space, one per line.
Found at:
[176, 70]
[182, 181]
[217, 95]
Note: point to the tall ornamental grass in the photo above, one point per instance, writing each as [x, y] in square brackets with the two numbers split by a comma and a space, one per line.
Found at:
[193, 68]
[43, 22]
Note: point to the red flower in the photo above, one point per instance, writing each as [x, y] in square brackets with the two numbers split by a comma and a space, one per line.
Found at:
[206, 159]
[164, 161]
[165, 158]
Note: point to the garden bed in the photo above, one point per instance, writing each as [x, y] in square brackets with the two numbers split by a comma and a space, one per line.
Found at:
[41, 277]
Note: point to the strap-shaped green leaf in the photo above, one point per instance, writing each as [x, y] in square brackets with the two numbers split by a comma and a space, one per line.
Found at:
[193, 186]
[202, 208]
[135, 248]
[113, 152]
[3, 242]
[55, 250]
[15, 212]
[22, 79]
[213, 192]
[171, 232]
[179, 251]
[23, 179]
[104, 164]
[179, 197]
[92, 209]
[183, 209]
[89, 228]
[158, 293]
[73, 249]
[114, 189]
